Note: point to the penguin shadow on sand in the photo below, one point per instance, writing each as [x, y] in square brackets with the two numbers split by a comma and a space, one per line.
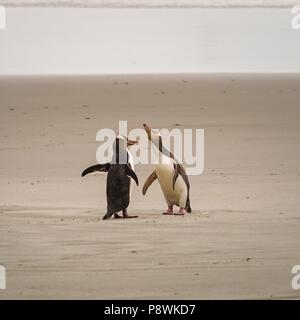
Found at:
[119, 171]
[171, 176]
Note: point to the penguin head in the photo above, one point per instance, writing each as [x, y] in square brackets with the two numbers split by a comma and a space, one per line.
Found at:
[124, 142]
[153, 135]
[120, 151]
[156, 139]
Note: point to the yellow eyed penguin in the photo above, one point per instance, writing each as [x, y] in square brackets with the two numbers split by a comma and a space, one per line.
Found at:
[118, 182]
[171, 176]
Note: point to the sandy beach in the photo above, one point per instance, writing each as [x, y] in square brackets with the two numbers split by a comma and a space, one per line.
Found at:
[243, 237]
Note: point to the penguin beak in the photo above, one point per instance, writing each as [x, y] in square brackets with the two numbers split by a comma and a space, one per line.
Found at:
[131, 142]
[148, 130]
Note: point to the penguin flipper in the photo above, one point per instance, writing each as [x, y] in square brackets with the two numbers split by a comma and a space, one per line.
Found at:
[179, 170]
[96, 167]
[149, 181]
[188, 204]
[132, 175]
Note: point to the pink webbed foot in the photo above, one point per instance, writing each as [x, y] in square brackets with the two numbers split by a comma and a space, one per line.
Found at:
[181, 212]
[169, 211]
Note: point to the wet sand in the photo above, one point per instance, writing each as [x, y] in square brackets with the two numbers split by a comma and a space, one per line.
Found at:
[243, 236]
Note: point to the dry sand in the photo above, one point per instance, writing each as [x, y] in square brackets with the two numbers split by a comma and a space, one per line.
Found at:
[244, 234]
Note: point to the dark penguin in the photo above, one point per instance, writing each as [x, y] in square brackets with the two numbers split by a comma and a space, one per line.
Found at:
[118, 182]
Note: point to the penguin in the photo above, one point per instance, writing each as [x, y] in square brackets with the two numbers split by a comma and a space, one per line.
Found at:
[119, 171]
[171, 176]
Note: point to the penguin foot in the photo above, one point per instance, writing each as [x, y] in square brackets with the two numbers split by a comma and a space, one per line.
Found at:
[181, 212]
[126, 216]
[169, 211]
[117, 216]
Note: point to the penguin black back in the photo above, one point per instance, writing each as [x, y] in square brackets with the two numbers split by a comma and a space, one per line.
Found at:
[118, 181]
[117, 189]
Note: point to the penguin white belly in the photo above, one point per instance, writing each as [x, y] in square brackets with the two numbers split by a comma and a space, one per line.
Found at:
[178, 196]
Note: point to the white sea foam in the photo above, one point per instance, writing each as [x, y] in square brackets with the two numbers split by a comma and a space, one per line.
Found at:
[131, 41]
